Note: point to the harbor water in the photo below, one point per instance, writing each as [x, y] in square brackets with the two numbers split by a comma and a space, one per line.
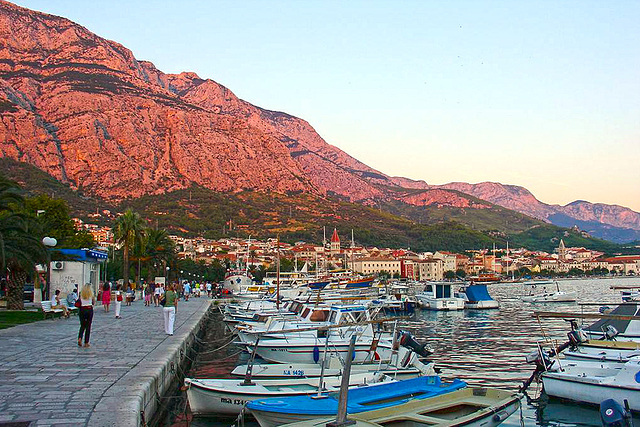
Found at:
[482, 347]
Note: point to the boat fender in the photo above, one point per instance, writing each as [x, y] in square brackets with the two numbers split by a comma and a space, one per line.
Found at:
[316, 353]
[500, 416]
[613, 414]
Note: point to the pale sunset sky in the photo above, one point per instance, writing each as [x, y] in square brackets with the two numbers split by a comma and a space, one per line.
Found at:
[543, 94]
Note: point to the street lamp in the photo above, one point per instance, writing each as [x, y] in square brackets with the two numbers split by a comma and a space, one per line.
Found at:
[49, 242]
[167, 278]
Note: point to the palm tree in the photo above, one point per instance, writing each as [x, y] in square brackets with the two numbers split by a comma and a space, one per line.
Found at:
[159, 248]
[20, 250]
[129, 227]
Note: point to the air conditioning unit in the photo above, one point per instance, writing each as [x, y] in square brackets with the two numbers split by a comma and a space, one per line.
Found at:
[57, 265]
[94, 267]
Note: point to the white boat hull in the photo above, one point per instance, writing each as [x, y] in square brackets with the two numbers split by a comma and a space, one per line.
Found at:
[482, 305]
[555, 297]
[441, 304]
[227, 397]
[573, 389]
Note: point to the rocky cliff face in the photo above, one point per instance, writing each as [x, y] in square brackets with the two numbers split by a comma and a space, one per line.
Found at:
[86, 111]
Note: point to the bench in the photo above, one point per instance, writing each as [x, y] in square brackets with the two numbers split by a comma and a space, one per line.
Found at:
[72, 310]
[46, 309]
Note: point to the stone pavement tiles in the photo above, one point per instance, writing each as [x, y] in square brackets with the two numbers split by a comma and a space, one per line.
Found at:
[46, 378]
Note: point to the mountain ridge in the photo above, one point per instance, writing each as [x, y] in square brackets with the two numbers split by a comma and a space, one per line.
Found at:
[85, 110]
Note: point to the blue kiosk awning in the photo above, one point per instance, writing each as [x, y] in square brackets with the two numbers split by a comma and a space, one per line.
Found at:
[85, 254]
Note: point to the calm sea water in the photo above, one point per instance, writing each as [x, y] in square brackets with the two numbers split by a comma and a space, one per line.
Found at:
[482, 347]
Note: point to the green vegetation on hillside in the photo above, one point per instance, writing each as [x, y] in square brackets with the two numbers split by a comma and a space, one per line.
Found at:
[198, 211]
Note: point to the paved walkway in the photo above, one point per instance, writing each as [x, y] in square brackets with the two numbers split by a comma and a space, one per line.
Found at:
[46, 378]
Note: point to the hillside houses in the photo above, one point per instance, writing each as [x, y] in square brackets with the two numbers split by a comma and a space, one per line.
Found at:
[402, 263]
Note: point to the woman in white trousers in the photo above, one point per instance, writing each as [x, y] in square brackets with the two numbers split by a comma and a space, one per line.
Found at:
[118, 301]
[169, 310]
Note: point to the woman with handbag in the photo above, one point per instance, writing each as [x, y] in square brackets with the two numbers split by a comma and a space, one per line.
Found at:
[118, 301]
[106, 296]
[85, 313]
[170, 300]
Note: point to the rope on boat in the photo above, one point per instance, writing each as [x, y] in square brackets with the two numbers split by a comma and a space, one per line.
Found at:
[219, 348]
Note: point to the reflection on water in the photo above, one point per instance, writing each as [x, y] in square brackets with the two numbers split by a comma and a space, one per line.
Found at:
[486, 347]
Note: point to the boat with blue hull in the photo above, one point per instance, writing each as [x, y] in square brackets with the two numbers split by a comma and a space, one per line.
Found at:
[276, 412]
[476, 296]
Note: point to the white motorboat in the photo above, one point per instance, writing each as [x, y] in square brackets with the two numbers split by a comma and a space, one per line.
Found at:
[437, 296]
[590, 382]
[476, 297]
[621, 330]
[542, 291]
[295, 348]
[227, 397]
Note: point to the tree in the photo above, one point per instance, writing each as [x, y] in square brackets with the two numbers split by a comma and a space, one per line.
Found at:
[461, 273]
[55, 221]
[449, 274]
[20, 249]
[159, 249]
[129, 227]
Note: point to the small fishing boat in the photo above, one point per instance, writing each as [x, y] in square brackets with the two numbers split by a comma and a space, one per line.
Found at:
[542, 291]
[279, 411]
[437, 296]
[227, 397]
[476, 297]
[477, 407]
[590, 382]
[622, 330]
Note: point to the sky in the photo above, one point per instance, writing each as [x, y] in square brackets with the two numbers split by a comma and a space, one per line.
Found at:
[542, 94]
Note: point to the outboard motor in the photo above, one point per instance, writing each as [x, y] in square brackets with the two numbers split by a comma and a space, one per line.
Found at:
[610, 332]
[577, 337]
[613, 414]
[406, 340]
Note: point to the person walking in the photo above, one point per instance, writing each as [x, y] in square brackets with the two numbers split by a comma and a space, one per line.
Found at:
[157, 294]
[118, 301]
[169, 310]
[148, 291]
[87, 300]
[187, 291]
[106, 297]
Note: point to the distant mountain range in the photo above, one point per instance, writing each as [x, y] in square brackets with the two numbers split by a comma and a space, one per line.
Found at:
[87, 112]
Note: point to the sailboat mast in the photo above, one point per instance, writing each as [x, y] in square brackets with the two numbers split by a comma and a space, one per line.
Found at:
[278, 273]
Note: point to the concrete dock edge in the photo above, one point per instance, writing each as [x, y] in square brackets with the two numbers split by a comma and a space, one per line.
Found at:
[138, 394]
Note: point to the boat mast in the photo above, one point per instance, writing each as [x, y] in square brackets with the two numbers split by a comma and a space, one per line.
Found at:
[278, 273]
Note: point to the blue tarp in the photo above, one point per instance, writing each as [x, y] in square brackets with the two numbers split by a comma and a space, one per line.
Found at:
[478, 293]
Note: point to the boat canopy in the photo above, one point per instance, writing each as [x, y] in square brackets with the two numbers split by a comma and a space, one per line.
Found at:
[478, 293]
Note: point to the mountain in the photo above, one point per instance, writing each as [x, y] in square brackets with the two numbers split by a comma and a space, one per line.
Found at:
[86, 111]
[610, 222]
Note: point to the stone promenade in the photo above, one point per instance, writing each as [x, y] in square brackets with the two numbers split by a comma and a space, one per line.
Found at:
[47, 379]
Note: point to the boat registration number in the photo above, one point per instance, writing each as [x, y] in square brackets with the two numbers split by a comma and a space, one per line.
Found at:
[294, 372]
[278, 349]
[240, 402]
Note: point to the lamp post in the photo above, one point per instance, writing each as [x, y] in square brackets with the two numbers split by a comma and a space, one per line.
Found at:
[167, 278]
[49, 242]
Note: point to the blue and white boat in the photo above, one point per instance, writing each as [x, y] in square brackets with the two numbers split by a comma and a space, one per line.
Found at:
[280, 411]
[476, 296]
[438, 296]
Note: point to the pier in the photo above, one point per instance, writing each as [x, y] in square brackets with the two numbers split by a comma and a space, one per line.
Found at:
[46, 379]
